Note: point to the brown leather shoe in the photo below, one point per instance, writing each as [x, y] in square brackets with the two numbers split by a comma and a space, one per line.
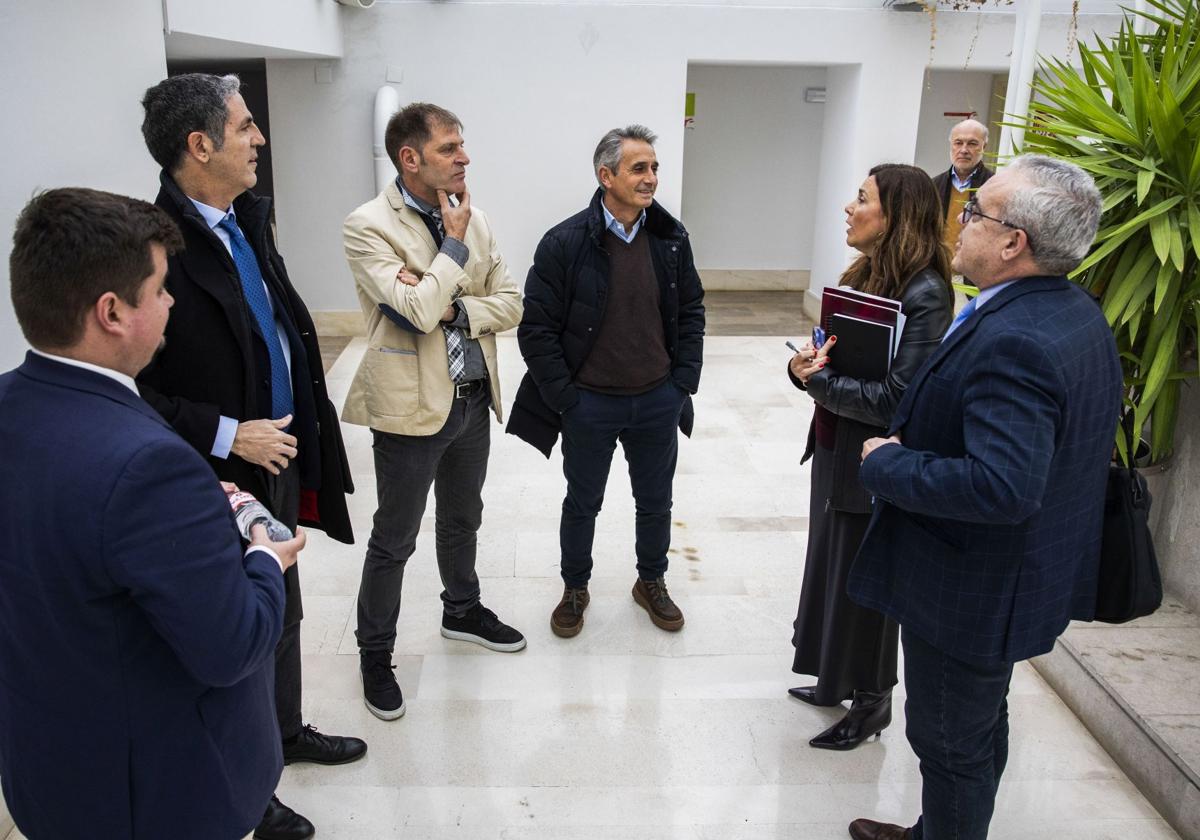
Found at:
[653, 597]
[871, 830]
[567, 618]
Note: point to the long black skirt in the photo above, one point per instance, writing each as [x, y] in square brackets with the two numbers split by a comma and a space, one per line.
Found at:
[845, 646]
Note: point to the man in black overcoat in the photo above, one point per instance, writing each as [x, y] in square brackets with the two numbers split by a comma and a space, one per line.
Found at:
[240, 377]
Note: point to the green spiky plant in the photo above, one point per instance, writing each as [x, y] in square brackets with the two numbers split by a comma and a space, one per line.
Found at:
[1132, 120]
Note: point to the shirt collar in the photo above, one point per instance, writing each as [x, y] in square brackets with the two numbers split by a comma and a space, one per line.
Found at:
[116, 375]
[212, 216]
[962, 183]
[610, 220]
[418, 204]
[990, 292]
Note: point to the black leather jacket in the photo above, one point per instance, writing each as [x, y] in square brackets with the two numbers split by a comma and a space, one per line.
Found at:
[864, 408]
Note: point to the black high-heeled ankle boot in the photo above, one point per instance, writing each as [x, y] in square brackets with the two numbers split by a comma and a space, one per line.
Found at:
[869, 715]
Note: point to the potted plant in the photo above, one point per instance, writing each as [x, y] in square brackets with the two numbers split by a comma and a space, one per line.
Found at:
[1132, 120]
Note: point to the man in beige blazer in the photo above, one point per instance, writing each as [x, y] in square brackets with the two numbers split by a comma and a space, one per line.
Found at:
[434, 290]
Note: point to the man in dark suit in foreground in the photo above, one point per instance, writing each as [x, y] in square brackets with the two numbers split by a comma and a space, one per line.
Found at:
[990, 489]
[136, 639]
[240, 378]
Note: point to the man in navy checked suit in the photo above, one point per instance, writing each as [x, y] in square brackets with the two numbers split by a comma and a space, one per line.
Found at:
[989, 491]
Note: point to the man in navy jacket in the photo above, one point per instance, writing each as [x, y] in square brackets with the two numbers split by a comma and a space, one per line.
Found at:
[613, 334]
[136, 641]
[990, 489]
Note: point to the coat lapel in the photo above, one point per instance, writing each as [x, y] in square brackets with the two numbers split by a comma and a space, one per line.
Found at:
[1024, 286]
[207, 264]
[409, 217]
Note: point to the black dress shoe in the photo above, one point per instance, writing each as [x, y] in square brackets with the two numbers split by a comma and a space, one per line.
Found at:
[808, 694]
[871, 830]
[868, 716]
[310, 745]
[282, 823]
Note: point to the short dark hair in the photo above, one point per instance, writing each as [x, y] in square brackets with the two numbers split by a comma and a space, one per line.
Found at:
[413, 125]
[71, 246]
[179, 105]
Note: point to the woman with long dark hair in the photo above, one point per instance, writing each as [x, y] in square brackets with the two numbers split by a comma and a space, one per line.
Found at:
[895, 222]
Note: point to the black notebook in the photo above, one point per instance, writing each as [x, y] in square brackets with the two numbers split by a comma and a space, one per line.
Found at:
[863, 348]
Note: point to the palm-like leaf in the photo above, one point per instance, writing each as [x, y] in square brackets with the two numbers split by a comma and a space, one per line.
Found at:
[1132, 120]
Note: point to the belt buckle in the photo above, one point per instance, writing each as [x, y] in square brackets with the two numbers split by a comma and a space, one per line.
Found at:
[462, 390]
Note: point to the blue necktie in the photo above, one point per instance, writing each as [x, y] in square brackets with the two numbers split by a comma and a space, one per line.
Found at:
[962, 315]
[260, 306]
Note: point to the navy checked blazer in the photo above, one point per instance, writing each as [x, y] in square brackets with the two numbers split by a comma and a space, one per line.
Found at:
[985, 534]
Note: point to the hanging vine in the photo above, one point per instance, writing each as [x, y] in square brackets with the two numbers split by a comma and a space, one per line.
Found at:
[1073, 30]
[931, 8]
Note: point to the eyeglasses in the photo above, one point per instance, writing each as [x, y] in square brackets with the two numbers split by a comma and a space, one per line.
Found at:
[971, 208]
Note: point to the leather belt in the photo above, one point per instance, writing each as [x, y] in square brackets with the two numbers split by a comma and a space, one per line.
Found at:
[462, 390]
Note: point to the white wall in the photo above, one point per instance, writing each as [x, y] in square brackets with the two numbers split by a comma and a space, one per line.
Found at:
[253, 28]
[536, 86]
[750, 166]
[950, 90]
[74, 74]
[535, 83]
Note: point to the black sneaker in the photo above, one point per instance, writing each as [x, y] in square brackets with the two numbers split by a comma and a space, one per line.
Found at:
[481, 626]
[381, 692]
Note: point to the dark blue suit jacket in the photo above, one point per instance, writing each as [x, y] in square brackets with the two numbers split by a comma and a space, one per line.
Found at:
[985, 535]
[136, 642]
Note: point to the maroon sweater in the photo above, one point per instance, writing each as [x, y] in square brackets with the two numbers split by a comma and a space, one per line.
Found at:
[630, 353]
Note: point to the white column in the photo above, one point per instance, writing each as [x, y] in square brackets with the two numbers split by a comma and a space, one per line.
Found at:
[1020, 75]
[871, 115]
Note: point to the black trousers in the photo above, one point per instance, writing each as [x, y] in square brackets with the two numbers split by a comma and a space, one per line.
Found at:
[284, 502]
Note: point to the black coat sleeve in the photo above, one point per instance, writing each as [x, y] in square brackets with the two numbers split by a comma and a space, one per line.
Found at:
[690, 353]
[195, 422]
[928, 307]
[540, 333]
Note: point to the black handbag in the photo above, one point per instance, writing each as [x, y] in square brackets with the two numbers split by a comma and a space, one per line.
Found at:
[1128, 584]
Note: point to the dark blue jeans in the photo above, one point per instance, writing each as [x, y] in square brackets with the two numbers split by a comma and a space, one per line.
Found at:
[647, 425]
[958, 726]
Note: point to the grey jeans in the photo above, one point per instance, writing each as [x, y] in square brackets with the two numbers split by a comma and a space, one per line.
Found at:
[454, 461]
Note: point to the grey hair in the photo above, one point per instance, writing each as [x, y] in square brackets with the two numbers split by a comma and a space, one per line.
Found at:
[608, 150]
[970, 120]
[1058, 206]
[179, 105]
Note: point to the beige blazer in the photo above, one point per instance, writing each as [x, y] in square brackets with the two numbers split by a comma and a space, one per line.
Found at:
[403, 384]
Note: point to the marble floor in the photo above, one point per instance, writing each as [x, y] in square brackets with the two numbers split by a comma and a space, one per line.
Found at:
[626, 732]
